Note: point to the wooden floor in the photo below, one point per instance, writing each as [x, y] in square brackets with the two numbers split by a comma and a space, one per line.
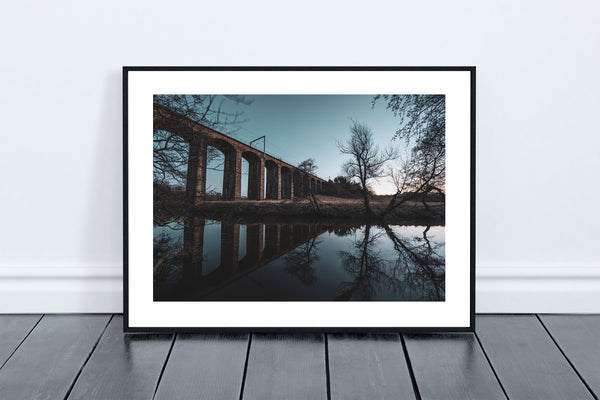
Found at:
[510, 356]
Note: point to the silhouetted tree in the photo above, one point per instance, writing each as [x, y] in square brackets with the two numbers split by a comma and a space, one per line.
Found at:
[423, 128]
[309, 165]
[367, 160]
[418, 176]
[422, 117]
[341, 186]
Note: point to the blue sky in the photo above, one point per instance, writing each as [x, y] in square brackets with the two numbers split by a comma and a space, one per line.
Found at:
[298, 127]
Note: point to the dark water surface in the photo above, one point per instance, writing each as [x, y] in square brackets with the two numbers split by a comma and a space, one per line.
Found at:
[208, 260]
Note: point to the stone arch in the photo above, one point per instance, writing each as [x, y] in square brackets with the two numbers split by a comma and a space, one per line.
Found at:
[272, 180]
[255, 175]
[297, 180]
[305, 184]
[231, 168]
[286, 183]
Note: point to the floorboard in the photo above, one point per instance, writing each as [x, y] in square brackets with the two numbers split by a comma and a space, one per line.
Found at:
[123, 366]
[86, 357]
[13, 329]
[46, 364]
[205, 367]
[370, 366]
[286, 366]
[578, 336]
[526, 360]
[451, 366]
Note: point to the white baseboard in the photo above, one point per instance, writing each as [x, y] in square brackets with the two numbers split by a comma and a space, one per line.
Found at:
[49, 289]
[538, 289]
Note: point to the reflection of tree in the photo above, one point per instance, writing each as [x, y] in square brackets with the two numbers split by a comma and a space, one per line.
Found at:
[342, 231]
[368, 269]
[417, 270]
[179, 243]
[168, 250]
[420, 263]
[299, 261]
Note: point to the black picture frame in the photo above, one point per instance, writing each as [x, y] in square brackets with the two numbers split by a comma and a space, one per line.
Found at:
[129, 328]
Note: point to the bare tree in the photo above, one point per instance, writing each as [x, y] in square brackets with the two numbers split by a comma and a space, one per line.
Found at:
[423, 128]
[309, 165]
[422, 116]
[416, 177]
[367, 160]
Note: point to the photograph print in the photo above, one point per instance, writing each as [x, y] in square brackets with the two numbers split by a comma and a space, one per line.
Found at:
[316, 203]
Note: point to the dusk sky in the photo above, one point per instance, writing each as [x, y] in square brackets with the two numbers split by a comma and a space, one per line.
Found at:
[298, 127]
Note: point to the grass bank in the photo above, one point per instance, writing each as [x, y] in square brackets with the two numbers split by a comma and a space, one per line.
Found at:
[332, 208]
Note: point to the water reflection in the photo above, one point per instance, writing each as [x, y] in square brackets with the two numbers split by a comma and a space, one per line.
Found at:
[299, 261]
[206, 260]
[367, 268]
[418, 267]
[422, 263]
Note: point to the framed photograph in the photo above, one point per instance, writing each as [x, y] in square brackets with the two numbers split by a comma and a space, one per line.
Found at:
[299, 198]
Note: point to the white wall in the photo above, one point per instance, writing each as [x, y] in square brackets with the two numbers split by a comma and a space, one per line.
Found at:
[538, 99]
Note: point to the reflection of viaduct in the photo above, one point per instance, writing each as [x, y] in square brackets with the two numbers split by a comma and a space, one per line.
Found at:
[283, 180]
[279, 239]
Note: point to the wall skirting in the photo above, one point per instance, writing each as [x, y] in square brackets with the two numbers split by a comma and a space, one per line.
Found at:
[508, 289]
[50, 289]
[538, 289]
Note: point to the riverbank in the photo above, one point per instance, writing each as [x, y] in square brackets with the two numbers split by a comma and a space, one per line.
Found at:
[331, 208]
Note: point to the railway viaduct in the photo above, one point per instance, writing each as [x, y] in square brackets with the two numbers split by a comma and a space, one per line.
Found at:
[282, 180]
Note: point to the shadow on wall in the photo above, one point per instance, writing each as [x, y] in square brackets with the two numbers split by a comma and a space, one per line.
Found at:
[104, 187]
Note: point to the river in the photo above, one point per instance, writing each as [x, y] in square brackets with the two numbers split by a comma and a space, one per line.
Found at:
[210, 260]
